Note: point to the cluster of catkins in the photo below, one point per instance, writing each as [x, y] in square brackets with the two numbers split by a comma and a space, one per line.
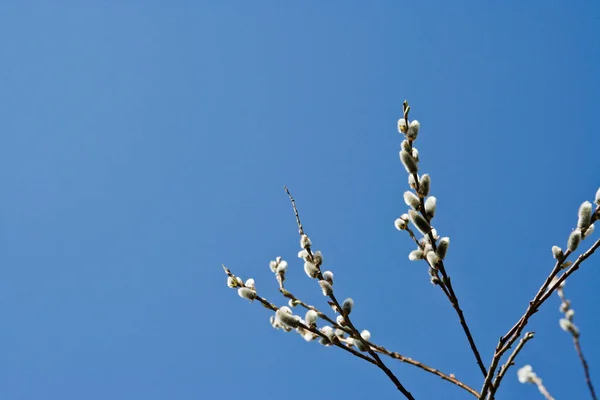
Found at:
[566, 323]
[585, 227]
[285, 319]
[422, 206]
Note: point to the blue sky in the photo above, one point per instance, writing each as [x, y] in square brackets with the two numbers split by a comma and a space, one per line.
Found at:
[145, 143]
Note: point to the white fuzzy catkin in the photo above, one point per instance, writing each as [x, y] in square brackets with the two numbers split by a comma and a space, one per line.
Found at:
[326, 287]
[433, 259]
[247, 293]
[305, 242]
[400, 224]
[419, 221]
[409, 162]
[442, 247]
[568, 326]
[424, 184]
[597, 198]
[430, 205]
[525, 374]
[318, 258]
[411, 200]
[574, 240]
[585, 216]
[311, 318]
[413, 130]
[347, 306]
[557, 253]
[311, 269]
[416, 255]
[328, 276]
[402, 128]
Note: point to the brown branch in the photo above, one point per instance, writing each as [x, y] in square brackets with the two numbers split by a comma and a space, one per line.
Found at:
[383, 350]
[586, 369]
[545, 291]
[445, 283]
[270, 306]
[356, 334]
[509, 362]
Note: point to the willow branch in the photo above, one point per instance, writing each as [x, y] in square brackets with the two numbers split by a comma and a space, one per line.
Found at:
[395, 355]
[349, 323]
[545, 291]
[586, 369]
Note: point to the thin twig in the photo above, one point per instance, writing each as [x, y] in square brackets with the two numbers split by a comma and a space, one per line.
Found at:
[586, 369]
[356, 334]
[509, 362]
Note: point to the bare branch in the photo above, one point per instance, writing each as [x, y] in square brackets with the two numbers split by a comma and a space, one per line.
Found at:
[509, 362]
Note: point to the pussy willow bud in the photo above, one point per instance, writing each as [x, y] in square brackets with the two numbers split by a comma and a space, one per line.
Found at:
[574, 240]
[557, 253]
[282, 266]
[409, 162]
[247, 293]
[405, 145]
[566, 264]
[347, 306]
[597, 199]
[424, 186]
[303, 254]
[412, 200]
[568, 326]
[433, 259]
[366, 335]
[570, 314]
[565, 306]
[273, 266]
[443, 247]
[231, 282]
[430, 205]
[311, 269]
[317, 258]
[328, 276]
[416, 255]
[285, 316]
[525, 374]
[329, 333]
[250, 283]
[294, 302]
[304, 242]
[402, 128]
[412, 182]
[413, 130]
[311, 318]
[400, 224]
[415, 154]
[326, 288]
[589, 231]
[585, 215]
[419, 221]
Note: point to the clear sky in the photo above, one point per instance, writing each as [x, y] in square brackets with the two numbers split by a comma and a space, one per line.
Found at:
[144, 143]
